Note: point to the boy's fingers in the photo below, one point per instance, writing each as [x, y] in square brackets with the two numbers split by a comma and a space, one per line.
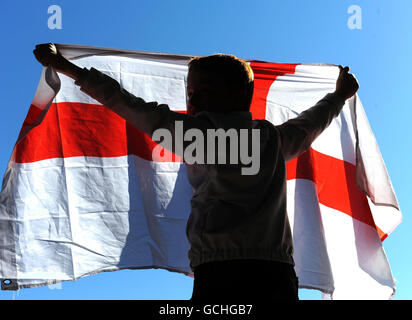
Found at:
[53, 48]
[42, 46]
[342, 69]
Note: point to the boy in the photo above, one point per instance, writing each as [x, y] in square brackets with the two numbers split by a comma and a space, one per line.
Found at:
[241, 243]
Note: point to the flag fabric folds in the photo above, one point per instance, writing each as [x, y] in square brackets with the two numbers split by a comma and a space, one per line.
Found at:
[82, 193]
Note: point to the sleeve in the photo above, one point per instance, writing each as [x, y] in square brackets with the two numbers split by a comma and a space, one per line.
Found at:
[145, 116]
[297, 134]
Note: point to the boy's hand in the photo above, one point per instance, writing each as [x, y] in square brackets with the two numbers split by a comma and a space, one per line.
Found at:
[346, 85]
[47, 54]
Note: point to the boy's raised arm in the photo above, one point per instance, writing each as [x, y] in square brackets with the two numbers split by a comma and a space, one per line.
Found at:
[297, 134]
[145, 116]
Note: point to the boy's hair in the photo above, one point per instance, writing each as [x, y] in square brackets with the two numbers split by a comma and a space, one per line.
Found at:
[236, 73]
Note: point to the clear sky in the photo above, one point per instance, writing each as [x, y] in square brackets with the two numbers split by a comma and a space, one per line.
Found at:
[293, 31]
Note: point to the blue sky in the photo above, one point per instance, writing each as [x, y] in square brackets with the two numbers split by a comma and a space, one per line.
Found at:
[294, 31]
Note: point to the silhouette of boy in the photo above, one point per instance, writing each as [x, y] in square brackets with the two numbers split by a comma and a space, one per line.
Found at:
[238, 229]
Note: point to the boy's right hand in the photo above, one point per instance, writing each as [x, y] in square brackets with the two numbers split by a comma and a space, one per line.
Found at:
[346, 85]
[48, 55]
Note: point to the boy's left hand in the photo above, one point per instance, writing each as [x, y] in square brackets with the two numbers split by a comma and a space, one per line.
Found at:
[346, 85]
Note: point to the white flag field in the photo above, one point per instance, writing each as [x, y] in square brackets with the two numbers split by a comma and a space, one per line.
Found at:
[82, 193]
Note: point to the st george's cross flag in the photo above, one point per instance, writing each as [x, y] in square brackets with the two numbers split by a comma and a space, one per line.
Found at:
[82, 193]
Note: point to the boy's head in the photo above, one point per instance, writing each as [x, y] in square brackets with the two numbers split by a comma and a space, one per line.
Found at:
[219, 83]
